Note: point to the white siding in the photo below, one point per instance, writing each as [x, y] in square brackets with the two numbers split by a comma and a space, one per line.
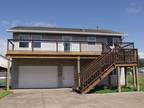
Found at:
[75, 47]
[52, 46]
[60, 46]
[16, 46]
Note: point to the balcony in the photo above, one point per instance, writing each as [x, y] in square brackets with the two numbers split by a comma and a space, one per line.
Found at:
[55, 47]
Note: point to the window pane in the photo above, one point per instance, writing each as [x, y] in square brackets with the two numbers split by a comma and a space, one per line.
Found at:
[24, 44]
[36, 37]
[91, 40]
[110, 41]
[37, 44]
[24, 37]
[66, 46]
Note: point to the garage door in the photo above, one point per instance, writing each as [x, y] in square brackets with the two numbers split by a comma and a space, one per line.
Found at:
[68, 76]
[38, 76]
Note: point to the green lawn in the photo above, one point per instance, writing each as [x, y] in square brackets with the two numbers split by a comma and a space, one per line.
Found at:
[141, 83]
[130, 87]
[4, 93]
[111, 90]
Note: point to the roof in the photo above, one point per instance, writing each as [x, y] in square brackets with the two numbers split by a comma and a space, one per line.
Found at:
[59, 30]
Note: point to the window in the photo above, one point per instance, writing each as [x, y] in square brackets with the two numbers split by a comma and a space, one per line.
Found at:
[24, 37]
[66, 46]
[67, 42]
[91, 40]
[36, 42]
[110, 41]
[24, 44]
[24, 41]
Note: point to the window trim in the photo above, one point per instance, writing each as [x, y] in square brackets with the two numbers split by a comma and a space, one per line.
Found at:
[27, 46]
[91, 40]
[38, 37]
[24, 37]
[67, 40]
[112, 41]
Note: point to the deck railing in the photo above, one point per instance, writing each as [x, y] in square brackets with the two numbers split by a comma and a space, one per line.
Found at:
[57, 46]
[116, 56]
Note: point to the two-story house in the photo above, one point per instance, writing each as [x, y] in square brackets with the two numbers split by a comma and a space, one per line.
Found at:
[51, 57]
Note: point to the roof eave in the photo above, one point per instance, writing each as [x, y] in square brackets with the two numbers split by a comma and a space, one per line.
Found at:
[68, 32]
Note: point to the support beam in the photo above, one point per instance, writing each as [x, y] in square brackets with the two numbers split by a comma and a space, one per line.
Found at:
[126, 78]
[8, 75]
[134, 76]
[118, 79]
[137, 79]
[78, 70]
[109, 81]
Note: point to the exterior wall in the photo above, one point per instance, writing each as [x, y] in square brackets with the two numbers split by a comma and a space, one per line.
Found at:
[75, 46]
[3, 62]
[60, 63]
[74, 37]
[39, 62]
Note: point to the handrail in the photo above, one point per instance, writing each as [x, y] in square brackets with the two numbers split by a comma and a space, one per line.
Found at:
[96, 65]
[115, 56]
[50, 40]
[124, 45]
[9, 41]
[100, 57]
[56, 42]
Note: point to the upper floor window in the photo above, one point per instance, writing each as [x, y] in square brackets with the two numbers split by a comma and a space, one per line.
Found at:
[67, 42]
[24, 41]
[91, 40]
[37, 41]
[24, 44]
[110, 41]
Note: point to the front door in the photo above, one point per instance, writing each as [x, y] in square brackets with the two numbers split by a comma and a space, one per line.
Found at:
[68, 76]
[67, 43]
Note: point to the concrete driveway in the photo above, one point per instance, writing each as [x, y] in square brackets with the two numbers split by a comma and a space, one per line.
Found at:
[65, 98]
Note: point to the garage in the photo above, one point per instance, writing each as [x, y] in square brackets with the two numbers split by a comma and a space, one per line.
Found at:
[38, 77]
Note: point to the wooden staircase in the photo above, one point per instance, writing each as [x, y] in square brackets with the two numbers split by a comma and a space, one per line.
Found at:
[101, 67]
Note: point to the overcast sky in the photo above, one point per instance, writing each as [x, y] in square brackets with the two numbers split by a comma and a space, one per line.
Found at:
[119, 15]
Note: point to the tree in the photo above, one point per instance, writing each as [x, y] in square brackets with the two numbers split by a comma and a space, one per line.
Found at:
[141, 63]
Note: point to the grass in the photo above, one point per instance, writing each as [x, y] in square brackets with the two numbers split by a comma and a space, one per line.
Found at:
[129, 88]
[105, 89]
[141, 83]
[4, 93]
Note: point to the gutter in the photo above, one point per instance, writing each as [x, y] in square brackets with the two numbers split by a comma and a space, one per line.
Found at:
[68, 32]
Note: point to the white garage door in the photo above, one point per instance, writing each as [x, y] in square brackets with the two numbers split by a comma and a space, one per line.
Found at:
[38, 76]
[68, 76]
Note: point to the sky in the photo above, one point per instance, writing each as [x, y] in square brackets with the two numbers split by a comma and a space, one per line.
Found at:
[119, 15]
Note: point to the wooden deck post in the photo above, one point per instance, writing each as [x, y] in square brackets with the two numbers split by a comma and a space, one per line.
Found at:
[78, 70]
[109, 81]
[134, 76]
[126, 78]
[8, 75]
[137, 79]
[118, 79]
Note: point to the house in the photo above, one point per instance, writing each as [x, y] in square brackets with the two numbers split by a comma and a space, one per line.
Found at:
[3, 70]
[3, 66]
[52, 57]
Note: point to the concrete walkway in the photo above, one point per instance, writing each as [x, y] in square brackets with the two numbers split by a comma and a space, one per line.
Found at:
[65, 98]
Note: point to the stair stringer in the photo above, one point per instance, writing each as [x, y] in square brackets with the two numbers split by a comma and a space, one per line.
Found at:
[98, 79]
